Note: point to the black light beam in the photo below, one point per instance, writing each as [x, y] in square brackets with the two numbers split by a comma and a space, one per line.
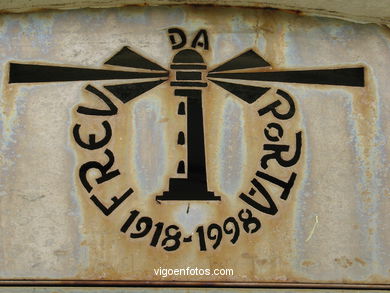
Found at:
[245, 92]
[29, 73]
[343, 76]
[128, 58]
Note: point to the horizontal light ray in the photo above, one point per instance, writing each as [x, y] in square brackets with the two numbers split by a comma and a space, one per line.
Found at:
[342, 76]
[30, 73]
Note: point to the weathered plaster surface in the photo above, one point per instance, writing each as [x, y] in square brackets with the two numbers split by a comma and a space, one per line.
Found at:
[335, 226]
[357, 10]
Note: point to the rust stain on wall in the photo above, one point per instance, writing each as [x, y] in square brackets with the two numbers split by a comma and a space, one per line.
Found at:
[117, 153]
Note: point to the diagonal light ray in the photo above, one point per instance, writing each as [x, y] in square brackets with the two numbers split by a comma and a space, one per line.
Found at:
[248, 59]
[248, 93]
[128, 58]
[127, 92]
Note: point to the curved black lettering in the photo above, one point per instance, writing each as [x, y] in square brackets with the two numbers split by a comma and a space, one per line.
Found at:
[271, 209]
[275, 126]
[104, 171]
[116, 202]
[279, 149]
[273, 106]
[95, 112]
[93, 144]
[197, 40]
[177, 44]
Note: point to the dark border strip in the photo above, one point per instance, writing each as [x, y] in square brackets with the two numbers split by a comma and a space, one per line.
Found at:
[188, 66]
[190, 284]
[189, 84]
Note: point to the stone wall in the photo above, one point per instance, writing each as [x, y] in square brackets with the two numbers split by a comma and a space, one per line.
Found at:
[290, 145]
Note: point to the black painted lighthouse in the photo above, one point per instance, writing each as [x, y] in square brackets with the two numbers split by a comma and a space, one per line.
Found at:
[189, 71]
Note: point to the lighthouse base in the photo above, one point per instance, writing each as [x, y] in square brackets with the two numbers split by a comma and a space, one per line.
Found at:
[184, 189]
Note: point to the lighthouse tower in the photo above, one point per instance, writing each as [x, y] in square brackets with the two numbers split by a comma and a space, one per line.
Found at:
[189, 71]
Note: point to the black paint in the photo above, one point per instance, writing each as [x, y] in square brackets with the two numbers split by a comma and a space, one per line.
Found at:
[181, 169]
[247, 93]
[201, 40]
[192, 78]
[194, 187]
[250, 223]
[127, 92]
[92, 143]
[143, 226]
[172, 239]
[342, 76]
[188, 84]
[248, 59]
[188, 56]
[279, 149]
[157, 233]
[182, 109]
[181, 138]
[113, 110]
[188, 66]
[169, 238]
[116, 202]
[285, 185]
[104, 170]
[202, 241]
[29, 73]
[188, 75]
[128, 58]
[274, 126]
[187, 239]
[235, 230]
[271, 209]
[273, 107]
[133, 215]
[214, 232]
[176, 43]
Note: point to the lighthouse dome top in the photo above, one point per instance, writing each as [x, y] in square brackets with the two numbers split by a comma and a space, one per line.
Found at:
[188, 56]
